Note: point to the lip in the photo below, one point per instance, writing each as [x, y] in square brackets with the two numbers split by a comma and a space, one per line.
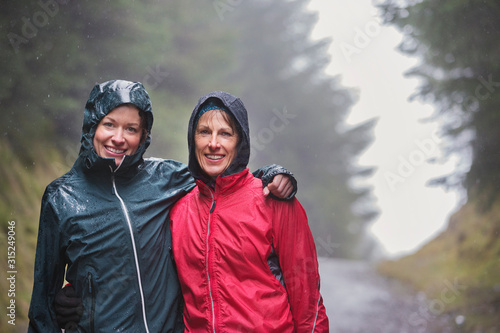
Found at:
[212, 160]
[115, 153]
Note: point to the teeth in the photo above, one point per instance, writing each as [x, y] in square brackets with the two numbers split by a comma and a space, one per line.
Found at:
[214, 157]
[116, 151]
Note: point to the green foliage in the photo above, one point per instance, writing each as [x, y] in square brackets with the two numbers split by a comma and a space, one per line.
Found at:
[22, 187]
[297, 114]
[260, 51]
[52, 53]
[466, 255]
[49, 66]
[457, 41]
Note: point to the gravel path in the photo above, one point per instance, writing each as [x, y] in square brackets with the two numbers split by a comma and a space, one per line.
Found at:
[357, 299]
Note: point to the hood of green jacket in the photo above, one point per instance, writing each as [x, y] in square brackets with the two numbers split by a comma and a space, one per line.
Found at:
[103, 99]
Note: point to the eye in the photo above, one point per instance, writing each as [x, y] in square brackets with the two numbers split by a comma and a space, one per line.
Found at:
[107, 124]
[132, 129]
[203, 131]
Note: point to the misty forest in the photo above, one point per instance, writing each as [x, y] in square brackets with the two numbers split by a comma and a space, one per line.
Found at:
[53, 52]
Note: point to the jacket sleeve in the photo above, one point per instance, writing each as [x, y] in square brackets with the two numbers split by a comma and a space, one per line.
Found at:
[49, 272]
[179, 179]
[267, 174]
[296, 251]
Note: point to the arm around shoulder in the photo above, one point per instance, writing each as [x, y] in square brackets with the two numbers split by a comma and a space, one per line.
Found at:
[268, 176]
[176, 175]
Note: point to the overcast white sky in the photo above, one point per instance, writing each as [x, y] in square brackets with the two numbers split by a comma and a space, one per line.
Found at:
[364, 53]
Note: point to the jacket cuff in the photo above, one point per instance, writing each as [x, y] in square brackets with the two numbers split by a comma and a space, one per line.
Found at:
[267, 174]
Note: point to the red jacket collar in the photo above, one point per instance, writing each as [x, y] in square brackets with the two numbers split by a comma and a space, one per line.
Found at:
[227, 184]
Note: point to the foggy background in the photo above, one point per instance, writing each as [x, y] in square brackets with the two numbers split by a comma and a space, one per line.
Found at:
[327, 98]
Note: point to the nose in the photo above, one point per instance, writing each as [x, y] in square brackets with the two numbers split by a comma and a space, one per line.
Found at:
[214, 144]
[118, 138]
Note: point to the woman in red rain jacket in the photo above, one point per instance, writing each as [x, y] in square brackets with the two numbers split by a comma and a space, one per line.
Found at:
[246, 263]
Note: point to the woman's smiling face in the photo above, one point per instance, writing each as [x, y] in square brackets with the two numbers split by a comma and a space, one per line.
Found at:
[119, 133]
[216, 141]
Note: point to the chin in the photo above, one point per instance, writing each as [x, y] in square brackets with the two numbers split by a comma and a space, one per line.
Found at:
[211, 174]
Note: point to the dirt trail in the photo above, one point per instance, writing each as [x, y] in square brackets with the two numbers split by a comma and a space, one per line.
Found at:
[358, 299]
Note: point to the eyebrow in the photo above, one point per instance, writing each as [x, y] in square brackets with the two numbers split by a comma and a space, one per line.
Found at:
[200, 126]
[110, 118]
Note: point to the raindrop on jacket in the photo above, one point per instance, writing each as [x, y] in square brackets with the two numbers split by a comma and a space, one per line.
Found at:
[107, 224]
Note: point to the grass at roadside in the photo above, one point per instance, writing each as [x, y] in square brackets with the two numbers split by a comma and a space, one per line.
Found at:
[459, 270]
[21, 188]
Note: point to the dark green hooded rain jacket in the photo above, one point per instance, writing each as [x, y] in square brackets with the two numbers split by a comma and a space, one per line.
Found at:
[107, 224]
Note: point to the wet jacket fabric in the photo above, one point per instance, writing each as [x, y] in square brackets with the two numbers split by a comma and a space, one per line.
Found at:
[246, 263]
[107, 224]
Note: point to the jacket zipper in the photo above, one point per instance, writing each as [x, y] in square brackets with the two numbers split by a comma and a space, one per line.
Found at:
[212, 207]
[125, 212]
[92, 304]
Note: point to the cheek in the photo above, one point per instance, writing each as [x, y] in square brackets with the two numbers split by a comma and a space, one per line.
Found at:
[198, 145]
[135, 142]
[97, 139]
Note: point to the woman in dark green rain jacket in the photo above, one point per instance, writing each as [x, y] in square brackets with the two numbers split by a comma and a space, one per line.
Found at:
[107, 223]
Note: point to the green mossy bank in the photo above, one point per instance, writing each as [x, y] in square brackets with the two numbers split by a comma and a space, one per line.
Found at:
[459, 270]
[22, 188]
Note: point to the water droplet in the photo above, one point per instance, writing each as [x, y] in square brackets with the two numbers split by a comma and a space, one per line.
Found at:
[459, 319]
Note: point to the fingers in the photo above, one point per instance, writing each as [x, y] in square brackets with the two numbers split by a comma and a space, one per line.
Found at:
[68, 311]
[281, 186]
[266, 190]
[68, 306]
[67, 297]
[285, 187]
[68, 322]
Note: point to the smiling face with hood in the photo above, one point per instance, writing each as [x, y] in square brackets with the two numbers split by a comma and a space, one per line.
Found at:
[116, 104]
[229, 158]
[119, 133]
[216, 140]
